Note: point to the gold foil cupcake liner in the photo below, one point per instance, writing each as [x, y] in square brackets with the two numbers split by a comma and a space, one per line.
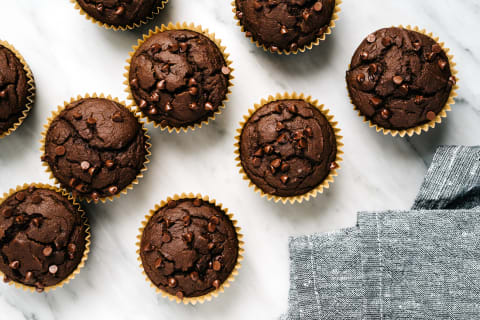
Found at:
[60, 108]
[180, 26]
[132, 26]
[77, 206]
[325, 184]
[322, 37]
[30, 89]
[442, 114]
[231, 278]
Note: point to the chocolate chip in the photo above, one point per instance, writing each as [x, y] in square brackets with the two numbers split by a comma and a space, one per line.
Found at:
[387, 41]
[404, 89]
[192, 82]
[179, 294]
[99, 7]
[29, 276]
[81, 188]
[91, 121]
[431, 115]
[268, 149]
[283, 30]
[72, 182]
[452, 80]
[3, 94]
[217, 266]
[398, 80]
[193, 106]
[298, 135]
[442, 64]
[172, 282]
[134, 83]
[436, 48]
[183, 46]
[293, 47]
[292, 108]
[364, 55]
[302, 143]
[360, 77]
[85, 165]
[19, 220]
[161, 85]
[47, 251]
[53, 269]
[166, 237]
[168, 107]
[385, 114]
[305, 15]
[282, 139]
[371, 38]
[39, 287]
[210, 246]
[209, 106]
[7, 212]
[318, 6]
[193, 91]
[92, 171]
[71, 248]
[239, 14]
[143, 104]
[113, 190]
[375, 101]
[279, 126]
[14, 265]
[285, 167]
[120, 10]
[211, 227]
[417, 45]
[333, 166]
[152, 111]
[95, 196]
[429, 56]
[117, 116]
[194, 275]
[216, 284]
[418, 99]
[188, 237]
[277, 109]
[259, 152]
[373, 68]
[284, 178]
[148, 247]
[197, 202]
[309, 132]
[109, 163]
[165, 68]
[60, 151]
[173, 47]
[77, 115]
[276, 163]
[274, 48]
[226, 70]
[158, 263]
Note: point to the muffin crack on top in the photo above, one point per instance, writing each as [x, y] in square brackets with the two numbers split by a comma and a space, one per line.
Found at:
[189, 247]
[399, 79]
[287, 148]
[95, 147]
[13, 89]
[178, 78]
[42, 237]
[285, 24]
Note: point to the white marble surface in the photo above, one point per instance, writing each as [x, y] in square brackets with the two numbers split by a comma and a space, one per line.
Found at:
[71, 56]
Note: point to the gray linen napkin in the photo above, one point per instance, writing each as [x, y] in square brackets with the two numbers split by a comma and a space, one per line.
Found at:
[440, 246]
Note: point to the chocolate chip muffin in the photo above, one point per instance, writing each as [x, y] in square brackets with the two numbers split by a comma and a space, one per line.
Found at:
[120, 13]
[285, 25]
[43, 237]
[287, 148]
[15, 90]
[399, 78]
[178, 78]
[189, 247]
[95, 148]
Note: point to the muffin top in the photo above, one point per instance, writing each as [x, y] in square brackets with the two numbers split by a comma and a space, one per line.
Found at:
[287, 148]
[120, 13]
[42, 237]
[285, 24]
[13, 89]
[178, 78]
[399, 79]
[189, 247]
[95, 147]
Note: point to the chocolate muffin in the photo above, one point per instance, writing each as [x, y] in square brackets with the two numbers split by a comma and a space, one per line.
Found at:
[95, 147]
[285, 25]
[189, 247]
[14, 89]
[178, 78]
[43, 237]
[399, 78]
[121, 13]
[287, 148]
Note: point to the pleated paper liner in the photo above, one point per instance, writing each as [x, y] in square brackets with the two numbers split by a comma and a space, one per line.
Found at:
[180, 26]
[442, 114]
[30, 89]
[325, 184]
[122, 28]
[322, 37]
[77, 206]
[231, 278]
[60, 108]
